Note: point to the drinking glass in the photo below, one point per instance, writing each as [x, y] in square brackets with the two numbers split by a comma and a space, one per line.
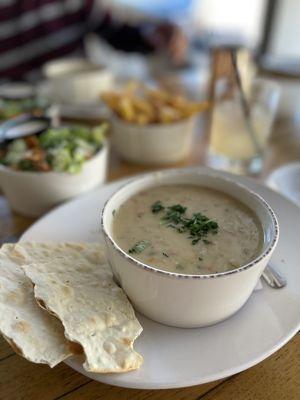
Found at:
[239, 133]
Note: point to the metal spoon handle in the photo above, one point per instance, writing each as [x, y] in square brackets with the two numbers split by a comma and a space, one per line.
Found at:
[16, 127]
[273, 278]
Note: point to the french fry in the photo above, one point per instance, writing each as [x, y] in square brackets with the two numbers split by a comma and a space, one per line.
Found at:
[144, 107]
[142, 119]
[132, 86]
[126, 109]
[111, 99]
[138, 104]
[168, 114]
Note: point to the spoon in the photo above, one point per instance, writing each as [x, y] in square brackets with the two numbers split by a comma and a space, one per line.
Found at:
[23, 125]
[273, 278]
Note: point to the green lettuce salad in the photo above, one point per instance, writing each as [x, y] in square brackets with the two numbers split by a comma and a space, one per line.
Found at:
[11, 107]
[63, 149]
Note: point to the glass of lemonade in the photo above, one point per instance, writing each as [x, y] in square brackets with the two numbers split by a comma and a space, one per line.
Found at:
[238, 139]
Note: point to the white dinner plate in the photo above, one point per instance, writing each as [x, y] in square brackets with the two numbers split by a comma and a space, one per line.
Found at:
[286, 180]
[176, 357]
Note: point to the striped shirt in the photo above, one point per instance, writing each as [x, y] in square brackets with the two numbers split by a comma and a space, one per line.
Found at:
[33, 32]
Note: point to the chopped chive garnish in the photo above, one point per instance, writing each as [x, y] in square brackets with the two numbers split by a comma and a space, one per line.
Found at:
[139, 247]
[157, 207]
[198, 226]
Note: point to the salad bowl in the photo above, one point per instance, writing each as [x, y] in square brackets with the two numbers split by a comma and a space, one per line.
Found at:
[34, 193]
[39, 172]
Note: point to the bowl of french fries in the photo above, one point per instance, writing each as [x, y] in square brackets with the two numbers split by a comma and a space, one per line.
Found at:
[150, 125]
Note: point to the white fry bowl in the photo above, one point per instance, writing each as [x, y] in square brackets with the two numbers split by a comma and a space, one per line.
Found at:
[155, 144]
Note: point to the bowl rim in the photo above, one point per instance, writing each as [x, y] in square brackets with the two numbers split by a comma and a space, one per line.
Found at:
[83, 62]
[87, 74]
[210, 172]
[8, 170]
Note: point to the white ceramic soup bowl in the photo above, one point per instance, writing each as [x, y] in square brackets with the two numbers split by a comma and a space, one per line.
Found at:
[154, 144]
[188, 300]
[76, 81]
[34, 193]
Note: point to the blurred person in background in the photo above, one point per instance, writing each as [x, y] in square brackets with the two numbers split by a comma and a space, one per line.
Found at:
[33, 32]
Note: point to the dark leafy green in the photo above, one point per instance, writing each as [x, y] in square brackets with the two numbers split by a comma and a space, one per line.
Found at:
[198, 226]
[174, 214]
[26, 165]
[139, 247]
[157, 207]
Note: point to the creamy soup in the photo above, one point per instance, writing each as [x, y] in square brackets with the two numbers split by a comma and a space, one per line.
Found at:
[187, 229]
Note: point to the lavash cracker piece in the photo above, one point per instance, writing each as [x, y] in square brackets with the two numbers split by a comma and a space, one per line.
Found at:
[31, 331]
[94, 311]
[35, 252]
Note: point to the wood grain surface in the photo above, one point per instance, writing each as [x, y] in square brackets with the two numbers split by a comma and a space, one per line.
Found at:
[276, 378]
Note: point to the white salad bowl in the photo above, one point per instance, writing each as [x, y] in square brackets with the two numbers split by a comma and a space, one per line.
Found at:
[34, 193]
[183, 300]
[155, 144]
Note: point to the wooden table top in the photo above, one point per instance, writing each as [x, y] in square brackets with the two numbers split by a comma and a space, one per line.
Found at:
[276, 378]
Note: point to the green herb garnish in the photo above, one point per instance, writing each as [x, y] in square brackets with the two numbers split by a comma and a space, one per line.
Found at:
[139, 247]
[173, 215]
[178, 208]
[26, 165]
[157, 207]
[198, 226]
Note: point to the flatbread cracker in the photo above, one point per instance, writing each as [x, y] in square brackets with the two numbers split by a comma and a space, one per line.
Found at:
[29, 252]
[78, 287]
[31, 331]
